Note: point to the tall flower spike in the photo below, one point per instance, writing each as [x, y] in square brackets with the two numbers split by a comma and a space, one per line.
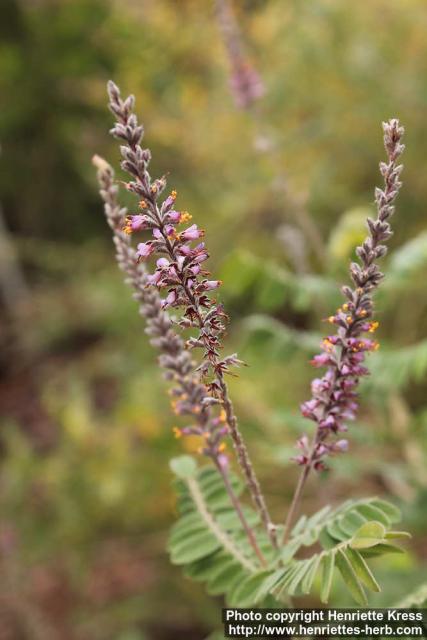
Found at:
[334, 399]
[190, 397]
[245, 83]
[179, 271]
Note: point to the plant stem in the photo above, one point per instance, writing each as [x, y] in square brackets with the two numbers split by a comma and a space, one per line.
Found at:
[236, 504]
[295, 503]
[245, 463]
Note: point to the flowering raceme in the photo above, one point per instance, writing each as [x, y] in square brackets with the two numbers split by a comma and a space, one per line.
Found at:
[179, 274]
[245, 83]
[189, 395]
[334, 398]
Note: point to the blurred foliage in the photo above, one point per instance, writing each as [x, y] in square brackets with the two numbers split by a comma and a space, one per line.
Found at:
[85, 500]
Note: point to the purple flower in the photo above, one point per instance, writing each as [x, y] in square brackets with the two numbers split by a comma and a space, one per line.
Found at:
[173, 216]
[170, 299]
[136, 223]
[308, 408]
[339, 446]
[145, 249]
[192, 233]
[162, 263]
[208, 285]
[321, 360]
[154, 278]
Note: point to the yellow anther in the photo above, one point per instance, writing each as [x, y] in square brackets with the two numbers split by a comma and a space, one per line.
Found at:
[376, 346]
[223, 416]
[349, 319]
[142, 204]
[374, 326]
[174, 194]
[362, 313]
[185, 217]
[345, 307]
[222, 447]
[153, 188]
[177, 432]
[331, 319]
[327, 345]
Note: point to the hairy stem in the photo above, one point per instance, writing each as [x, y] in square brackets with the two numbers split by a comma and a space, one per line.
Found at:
[293, 509]
[237, 506]
[245, 463]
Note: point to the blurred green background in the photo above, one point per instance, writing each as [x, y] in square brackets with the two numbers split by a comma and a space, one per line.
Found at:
[85, 496]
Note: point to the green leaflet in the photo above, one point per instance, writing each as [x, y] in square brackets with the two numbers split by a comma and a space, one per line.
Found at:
[335, 531]
[390, 510]
[372, 512]
[245, 592]
[351, 522]
[224, 575]
[362, 570]
[269, 584]
[381, 549]
[194, 547]
[310, 575]
[282, 586]
[296, 583]
[350, 578]
[228, 518]
[326, 540]
[391, 535]
[368, 535]
[327, 566]
[201, 570]
[188, 525]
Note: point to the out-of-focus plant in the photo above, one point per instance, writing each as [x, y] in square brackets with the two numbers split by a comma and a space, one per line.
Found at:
[247, 88]
[236, 549]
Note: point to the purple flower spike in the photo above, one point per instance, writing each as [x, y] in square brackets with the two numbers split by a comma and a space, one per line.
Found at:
[333, 401]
